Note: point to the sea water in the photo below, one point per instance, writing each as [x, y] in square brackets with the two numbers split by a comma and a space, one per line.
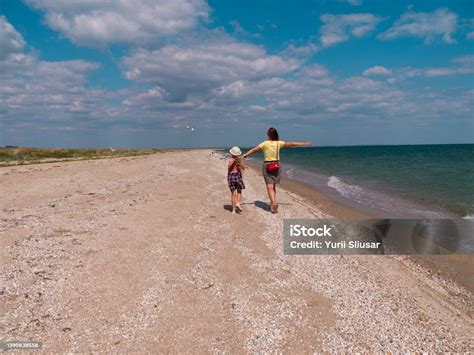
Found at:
[398, 181]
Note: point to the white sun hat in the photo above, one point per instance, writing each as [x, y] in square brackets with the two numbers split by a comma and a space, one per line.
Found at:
[235, 151]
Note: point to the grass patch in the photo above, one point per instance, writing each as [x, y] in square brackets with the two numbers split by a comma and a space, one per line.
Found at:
[13, 156]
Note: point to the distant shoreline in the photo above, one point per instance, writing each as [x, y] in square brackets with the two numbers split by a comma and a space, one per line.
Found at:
[13, 156]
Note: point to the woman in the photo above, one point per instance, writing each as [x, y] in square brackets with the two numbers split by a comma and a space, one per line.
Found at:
[271, 162]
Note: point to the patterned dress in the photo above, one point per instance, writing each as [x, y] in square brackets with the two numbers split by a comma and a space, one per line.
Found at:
[234, 177]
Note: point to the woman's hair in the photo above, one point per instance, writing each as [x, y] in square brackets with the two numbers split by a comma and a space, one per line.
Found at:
[237, 163]
[273, 134]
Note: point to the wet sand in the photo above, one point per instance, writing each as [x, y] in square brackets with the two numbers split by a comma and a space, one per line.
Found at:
[456, 268]
[326, 204]
[142, 255]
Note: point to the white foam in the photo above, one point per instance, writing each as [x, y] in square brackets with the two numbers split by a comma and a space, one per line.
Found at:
[346, 190]
[376, 200]
[469, 217]
[290, 173]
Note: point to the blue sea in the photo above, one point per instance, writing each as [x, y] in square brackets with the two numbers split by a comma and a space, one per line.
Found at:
[431, 181]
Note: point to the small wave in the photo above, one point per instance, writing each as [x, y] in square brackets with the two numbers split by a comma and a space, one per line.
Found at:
[379, 201]
[290, 172]
[469, 217]
[346, 190]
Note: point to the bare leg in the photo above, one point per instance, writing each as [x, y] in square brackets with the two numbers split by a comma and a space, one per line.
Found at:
[271, 194]
[239, 199]
[234, 200]
[275, 197]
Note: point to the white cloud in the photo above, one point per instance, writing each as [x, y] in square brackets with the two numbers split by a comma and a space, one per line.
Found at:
[39, 92]
[303, 51]
[233, 90]
[99, 22]
[435, 72]
[315, 71]
[355, 2]
[465, 60]
[310, 95]
[316, 74]
[216, 81]
[463, 65]
[257, 108]
[351, 98]
[426, 25]
[377, 70]
[35, 92]
[340, 28]
[11, 42]
[154, 99]
[242, 32]
[364, 100]
[196, 67]
[351, 2]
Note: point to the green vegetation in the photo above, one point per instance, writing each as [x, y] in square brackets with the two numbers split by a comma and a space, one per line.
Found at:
[12, 156]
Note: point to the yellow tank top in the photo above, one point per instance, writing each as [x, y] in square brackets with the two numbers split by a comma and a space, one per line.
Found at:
[271, 149]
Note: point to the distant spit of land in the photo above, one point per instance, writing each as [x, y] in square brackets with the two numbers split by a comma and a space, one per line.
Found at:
[12, 155]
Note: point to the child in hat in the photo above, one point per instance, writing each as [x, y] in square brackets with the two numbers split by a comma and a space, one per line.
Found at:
[235, 167]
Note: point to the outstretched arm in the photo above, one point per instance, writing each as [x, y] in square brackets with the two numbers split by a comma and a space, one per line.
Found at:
[251, 151]
[296, 144]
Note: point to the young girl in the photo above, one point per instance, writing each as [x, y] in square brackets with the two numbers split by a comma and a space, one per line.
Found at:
[234, 178]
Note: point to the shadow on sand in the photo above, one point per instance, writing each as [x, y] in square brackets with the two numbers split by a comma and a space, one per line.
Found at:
[263, 205]
[260, 204]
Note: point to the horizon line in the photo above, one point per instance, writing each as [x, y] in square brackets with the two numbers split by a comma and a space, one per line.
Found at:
[225, 147]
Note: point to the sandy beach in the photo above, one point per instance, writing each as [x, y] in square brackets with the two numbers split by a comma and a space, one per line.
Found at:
[142, 254]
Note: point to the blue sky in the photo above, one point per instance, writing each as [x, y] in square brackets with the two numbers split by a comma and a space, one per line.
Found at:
[140, 73]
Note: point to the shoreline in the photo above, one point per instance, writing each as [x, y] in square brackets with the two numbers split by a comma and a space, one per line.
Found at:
[456, 268]
[325, 203]
[388, 182]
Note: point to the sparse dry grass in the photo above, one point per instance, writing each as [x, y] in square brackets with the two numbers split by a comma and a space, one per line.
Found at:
[20, 155]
